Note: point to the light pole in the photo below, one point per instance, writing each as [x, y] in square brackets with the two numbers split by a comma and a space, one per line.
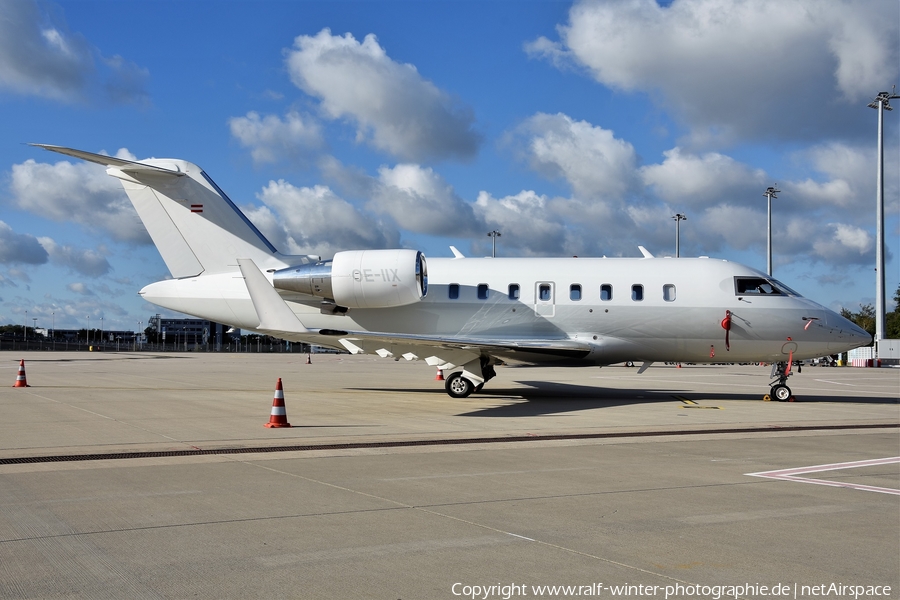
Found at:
[881, 103]
[494, 235]
[25, 338]
[88, 332]
[679, 217]
[100, 343]
[770, 193]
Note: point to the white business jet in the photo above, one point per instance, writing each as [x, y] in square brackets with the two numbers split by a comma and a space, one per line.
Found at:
[466, 315]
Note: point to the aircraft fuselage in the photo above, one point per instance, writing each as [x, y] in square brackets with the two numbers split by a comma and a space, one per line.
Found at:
[648, 309]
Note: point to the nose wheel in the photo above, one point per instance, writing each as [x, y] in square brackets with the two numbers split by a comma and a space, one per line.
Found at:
[781, 392]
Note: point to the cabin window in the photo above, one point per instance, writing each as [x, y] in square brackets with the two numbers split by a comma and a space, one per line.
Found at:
[544, 292]
[575, 292]
[454, 291]
[514, 291]
[669, 292]
[637, 292]
[606, 292]
[482, 291]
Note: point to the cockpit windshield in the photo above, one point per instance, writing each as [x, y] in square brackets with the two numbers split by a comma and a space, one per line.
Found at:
[759, 286]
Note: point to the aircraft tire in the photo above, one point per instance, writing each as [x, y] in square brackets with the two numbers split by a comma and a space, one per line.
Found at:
[781, 392]
[458, 386]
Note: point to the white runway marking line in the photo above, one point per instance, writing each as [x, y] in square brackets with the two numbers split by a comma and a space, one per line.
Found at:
[791, 474]
[485, 474]
[835, 382]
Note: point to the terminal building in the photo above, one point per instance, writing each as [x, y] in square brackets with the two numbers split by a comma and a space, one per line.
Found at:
[191, 334]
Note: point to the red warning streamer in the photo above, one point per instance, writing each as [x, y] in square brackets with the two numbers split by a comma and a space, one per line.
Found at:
[726, 325]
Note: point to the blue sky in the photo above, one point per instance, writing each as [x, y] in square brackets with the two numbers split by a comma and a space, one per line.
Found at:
[573, 128]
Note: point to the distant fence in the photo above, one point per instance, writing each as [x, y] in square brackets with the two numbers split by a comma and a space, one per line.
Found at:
[252, 346]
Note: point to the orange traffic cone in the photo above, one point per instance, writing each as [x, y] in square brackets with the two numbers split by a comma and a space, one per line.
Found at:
[308, 359]
[20, 379]
[279, 413]
[440, 375]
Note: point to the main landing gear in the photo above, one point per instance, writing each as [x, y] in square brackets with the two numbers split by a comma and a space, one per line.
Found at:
[780, 391]
[459, 386]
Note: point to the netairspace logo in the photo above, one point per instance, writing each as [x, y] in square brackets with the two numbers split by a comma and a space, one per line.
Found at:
[712, 592]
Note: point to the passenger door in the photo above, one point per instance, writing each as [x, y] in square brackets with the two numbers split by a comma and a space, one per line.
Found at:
[544, 299]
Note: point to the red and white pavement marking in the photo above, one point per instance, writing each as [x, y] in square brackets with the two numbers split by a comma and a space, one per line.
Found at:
[792, 474]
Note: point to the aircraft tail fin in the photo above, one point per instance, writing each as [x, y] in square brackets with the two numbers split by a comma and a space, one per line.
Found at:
[194, 225]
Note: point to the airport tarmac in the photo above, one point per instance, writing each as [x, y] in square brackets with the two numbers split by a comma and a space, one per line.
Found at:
[151, 476]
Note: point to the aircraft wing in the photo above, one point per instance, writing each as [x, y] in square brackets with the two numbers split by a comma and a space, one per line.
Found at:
[400, 344]
[448, 352]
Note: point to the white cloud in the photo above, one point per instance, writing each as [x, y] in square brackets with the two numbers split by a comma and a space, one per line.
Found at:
[726, 226]
[836, 192]
[271, 138]
[685, 179]
[738, 69]
[849, 176]
[420, 200]
[551, 51]
[20, 248]
[591, 159]
[82, 193]
[846, 244]
[354, 181]
[394, 107]
[85, 261]
[40, 58]
[80, 289]
[316, 221]
[20, 274]
[528, 227]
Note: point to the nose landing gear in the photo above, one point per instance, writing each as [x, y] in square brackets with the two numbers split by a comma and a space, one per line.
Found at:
[779, 389]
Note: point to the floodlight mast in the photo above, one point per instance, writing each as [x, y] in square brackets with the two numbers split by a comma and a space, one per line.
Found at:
[770, 193]
[494, 235]
[679, 217]
[881, 103]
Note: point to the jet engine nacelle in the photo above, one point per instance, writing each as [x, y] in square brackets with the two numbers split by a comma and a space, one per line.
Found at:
[361, 278]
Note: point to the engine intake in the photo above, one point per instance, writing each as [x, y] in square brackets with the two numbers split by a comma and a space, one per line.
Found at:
[361, 278]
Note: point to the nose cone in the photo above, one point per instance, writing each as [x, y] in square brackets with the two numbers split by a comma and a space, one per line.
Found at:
[845, 334]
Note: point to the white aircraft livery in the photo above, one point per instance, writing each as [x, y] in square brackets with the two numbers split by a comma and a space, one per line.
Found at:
[466, 315]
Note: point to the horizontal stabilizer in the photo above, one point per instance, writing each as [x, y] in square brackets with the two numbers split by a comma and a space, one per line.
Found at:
[128, 166]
